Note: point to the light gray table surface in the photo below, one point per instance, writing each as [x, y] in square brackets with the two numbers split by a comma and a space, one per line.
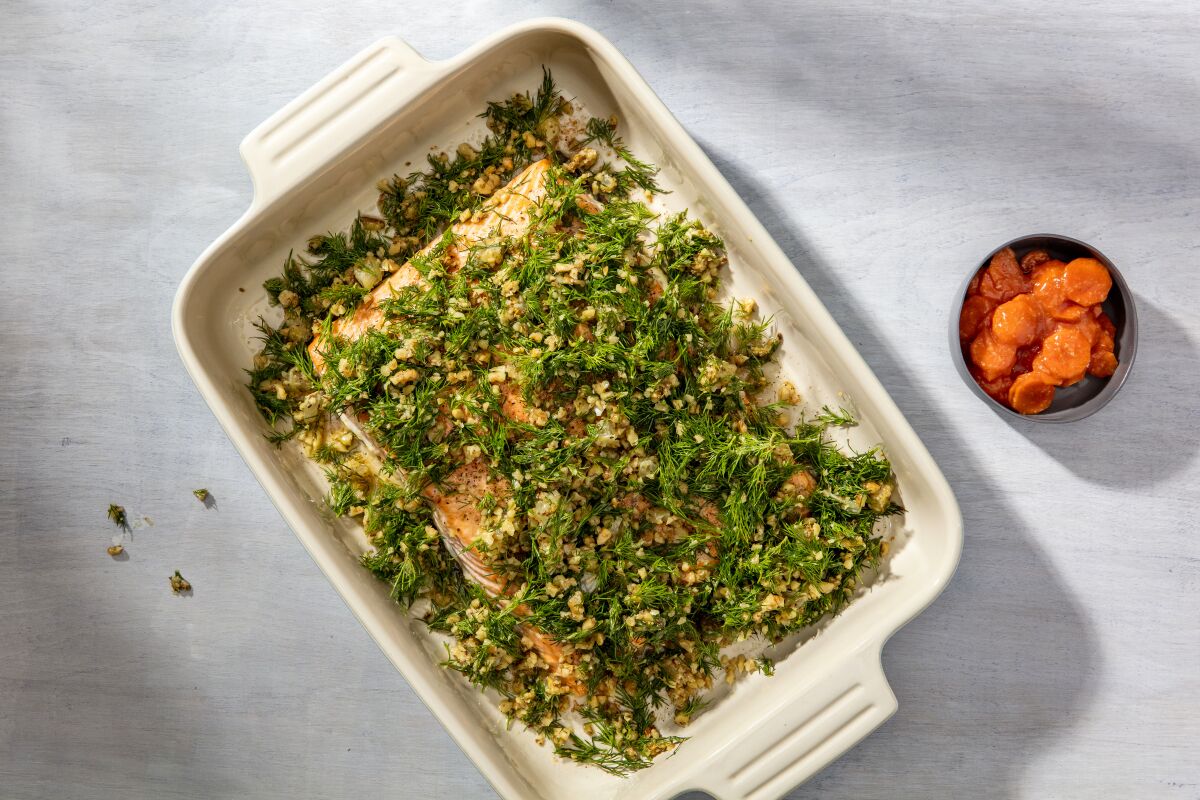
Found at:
[887, 147]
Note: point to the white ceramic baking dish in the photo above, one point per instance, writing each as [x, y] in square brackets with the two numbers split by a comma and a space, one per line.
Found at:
[317, 161]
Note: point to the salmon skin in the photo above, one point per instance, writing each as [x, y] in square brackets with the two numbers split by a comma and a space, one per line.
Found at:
[508, 213]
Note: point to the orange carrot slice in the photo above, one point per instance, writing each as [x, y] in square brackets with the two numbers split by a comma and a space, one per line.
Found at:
[1047, 283]
[1003, 279]
[1065, 355]
[993, 358]
[997, 389]
[1103, 364]
[1033, 259]
[1089, 327]
[1086, 281]
[1031, 393]
[1018, 321]
[1070, 312]
[974, 313]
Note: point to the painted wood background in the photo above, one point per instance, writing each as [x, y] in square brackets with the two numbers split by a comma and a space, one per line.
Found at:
[886, 146]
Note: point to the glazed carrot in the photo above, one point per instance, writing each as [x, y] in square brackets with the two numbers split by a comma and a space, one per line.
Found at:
[1103, 364]
[1047, 284]
[1031, 393]
[997, 389]
[1046, 268]
[990, 288]
[1086, 281]
[1065, 355]
[993, 358]
[1018, 321]
[975, 312]
[1033, 259]
[1069, 312]
[1003, 279]
[1087, 325]
[1028, 326]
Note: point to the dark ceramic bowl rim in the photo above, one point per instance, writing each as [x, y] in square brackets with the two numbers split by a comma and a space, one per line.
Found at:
[1126, 336]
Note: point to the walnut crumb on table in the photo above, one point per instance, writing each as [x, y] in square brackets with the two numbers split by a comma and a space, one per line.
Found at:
[179, 584]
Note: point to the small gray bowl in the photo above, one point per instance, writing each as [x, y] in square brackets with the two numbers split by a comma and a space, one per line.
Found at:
[1091, 394]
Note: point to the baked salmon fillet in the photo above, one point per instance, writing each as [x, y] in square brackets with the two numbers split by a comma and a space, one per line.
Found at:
[508, 214]
[538, 370]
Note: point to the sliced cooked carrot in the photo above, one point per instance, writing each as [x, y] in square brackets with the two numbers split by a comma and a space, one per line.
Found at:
[1033, 259]
[1009, 307]
[973, 286]
[1018, 321]
[1005, 262]
[1087, 325]
[1031, 393]
[974, 313]
[997, 389]
[990, 289]
[1047, 283]
[1069, 312]
[1106, 331]
[1103, 364]
[1065, 355]
[993, 358]
[1047, 267]
[1003, 279]
[1086, 281]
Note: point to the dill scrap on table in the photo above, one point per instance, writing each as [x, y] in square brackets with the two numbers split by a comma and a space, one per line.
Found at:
[636, 500]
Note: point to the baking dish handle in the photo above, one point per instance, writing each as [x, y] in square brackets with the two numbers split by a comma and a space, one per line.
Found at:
[800, 737]
[343, 107]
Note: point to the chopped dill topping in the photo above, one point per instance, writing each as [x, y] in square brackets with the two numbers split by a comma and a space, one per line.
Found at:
[201, 495]
[555, 432]
[637, 172]
[836, 419]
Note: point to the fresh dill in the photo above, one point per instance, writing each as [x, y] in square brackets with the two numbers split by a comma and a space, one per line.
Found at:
[837, 419]
[637, 172]
[576, 391]
[116, 515]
